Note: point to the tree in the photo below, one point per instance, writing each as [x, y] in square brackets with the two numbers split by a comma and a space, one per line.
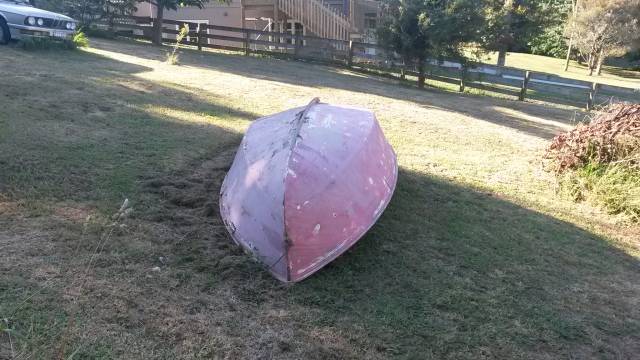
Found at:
[549, 39]
[89, 11]
[418, 30]
[571, 19]
[161, 5]
[603, 28]
[511, 24]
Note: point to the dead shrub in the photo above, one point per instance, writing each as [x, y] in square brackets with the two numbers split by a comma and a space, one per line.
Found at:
[599, 161]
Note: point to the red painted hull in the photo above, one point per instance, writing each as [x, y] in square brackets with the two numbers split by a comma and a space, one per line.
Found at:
[306, 185]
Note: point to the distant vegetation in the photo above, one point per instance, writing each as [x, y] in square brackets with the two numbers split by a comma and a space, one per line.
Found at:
[600, 161]
[589, 30]
[604, 28]
[90, 11]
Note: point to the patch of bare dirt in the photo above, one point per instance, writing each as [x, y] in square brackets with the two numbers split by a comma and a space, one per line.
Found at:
[191, 198]
[72, 213]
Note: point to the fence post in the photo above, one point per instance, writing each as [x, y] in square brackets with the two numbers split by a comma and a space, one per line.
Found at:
[350, 58]
[247, 48]
[200, 32]
[525, 84]
[463, 74]
[592, 95]
[297, 45]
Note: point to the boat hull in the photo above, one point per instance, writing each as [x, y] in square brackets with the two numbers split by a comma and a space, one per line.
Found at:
[306, 185]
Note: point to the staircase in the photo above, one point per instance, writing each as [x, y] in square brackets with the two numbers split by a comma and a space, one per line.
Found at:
[318, 17]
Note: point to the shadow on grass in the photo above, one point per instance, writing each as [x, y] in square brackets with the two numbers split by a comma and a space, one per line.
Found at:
[90, 127]
[315, 76]
[627, 73]
[450, 271]
[78, 134]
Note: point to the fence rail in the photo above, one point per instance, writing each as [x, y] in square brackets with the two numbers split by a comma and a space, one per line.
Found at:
[520, 84]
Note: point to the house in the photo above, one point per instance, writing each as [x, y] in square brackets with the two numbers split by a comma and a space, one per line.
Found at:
[334, 19]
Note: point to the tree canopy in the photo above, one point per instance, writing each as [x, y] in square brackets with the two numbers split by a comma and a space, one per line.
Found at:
[422, 29]
[514, 25]
[162, 5]
[602, 28]
[89, 11]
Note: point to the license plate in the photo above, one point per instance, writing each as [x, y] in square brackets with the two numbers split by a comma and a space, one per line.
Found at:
[58, 34]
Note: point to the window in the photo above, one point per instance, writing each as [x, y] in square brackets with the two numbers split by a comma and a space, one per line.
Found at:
[370, 20]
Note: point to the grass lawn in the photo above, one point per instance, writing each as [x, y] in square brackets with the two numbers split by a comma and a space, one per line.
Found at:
[611, 75]
[476, 256]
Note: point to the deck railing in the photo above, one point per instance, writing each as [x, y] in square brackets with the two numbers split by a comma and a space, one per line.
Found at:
[318, 18]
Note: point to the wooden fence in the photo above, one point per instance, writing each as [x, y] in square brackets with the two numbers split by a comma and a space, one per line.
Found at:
[520, 84]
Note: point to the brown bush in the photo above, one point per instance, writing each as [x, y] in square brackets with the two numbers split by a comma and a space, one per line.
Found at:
[612, 135]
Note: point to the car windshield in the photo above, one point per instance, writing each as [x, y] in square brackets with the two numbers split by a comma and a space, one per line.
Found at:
[19, 2]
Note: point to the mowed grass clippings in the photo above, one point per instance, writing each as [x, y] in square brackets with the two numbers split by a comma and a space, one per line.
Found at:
[476, 256]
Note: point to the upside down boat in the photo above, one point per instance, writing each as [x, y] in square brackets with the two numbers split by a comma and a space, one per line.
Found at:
[306, 184]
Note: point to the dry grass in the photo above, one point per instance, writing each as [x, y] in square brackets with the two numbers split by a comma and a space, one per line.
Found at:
[476, 257]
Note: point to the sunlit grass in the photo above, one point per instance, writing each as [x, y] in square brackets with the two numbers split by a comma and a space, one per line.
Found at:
[555, 66]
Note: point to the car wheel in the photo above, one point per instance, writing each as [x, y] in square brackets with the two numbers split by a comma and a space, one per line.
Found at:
[5, 34]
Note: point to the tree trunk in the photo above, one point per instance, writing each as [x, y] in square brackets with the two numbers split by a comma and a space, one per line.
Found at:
[590, 63]
[600, 61]
[505, 37]
[502, 57]
[566, 64]
[403, 75]
[157, 25]
[574, 11]
[421, 77]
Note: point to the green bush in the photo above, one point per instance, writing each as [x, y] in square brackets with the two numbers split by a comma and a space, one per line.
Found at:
[80, 40]
[45, 43]
[615, 187]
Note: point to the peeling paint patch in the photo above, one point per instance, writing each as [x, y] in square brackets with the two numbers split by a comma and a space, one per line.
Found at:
[254, 172]
[316, 229]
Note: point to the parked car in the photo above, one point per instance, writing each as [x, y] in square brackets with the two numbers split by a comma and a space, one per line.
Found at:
[19, 20]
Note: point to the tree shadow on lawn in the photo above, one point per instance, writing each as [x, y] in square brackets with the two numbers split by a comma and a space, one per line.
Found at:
[451, 271]
[621, 72]
[448, 271]
[315, 76]
[83, 133]
[88, 127]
